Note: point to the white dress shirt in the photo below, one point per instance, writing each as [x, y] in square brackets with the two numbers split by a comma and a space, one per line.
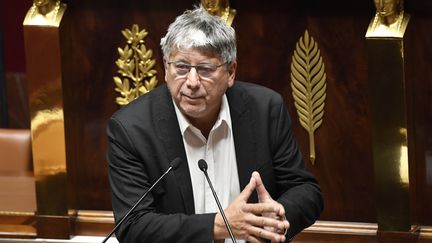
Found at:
[219, 153]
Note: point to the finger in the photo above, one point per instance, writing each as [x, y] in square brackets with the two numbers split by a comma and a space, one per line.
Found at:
[280, 212]
[286, 223]
[266, 234]
[248, 190]
[283, 227]
[262, 208]
[253, 239]
[269, 224]
[263, 194]
[282, 219]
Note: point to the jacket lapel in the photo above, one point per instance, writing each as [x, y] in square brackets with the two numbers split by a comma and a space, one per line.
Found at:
[244, 139]
[170, 135]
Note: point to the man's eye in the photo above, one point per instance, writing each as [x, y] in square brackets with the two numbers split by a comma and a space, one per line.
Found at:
[206, 69]
[182, 66]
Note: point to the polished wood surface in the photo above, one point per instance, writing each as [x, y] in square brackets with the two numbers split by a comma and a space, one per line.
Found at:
[419, 100]
[44, 68]
[344, 158]
[17, 193]
[389, 132]
[17, 100]
[98, 223]
[17, 225]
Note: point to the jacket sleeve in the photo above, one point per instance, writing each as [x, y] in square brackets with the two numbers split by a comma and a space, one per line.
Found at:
[298, 190]
[129, 179]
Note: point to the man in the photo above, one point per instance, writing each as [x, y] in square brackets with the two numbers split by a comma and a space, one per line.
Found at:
[243, 132]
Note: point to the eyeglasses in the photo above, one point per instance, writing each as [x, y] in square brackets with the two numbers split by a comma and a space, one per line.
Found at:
[203, 70]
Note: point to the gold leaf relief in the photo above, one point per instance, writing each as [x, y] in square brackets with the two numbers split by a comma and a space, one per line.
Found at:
[135, 67]
[308, 82]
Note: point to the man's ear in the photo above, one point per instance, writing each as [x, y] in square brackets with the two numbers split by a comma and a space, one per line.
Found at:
[232, 72]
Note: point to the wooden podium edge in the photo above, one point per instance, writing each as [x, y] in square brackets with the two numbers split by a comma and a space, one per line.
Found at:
[100, 223]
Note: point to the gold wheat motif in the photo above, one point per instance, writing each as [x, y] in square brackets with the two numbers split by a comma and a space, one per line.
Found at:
[308, 82]
[135, 65]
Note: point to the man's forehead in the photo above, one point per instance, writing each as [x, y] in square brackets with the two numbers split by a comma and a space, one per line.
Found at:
[194, 52]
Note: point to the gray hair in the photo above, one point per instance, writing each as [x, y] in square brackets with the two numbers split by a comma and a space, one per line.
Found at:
[198, 29]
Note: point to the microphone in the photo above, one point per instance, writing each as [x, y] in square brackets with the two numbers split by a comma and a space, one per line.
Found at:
[173, 165]
[202, 164]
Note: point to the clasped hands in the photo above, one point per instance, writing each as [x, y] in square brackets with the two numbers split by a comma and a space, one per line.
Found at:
[254, 222]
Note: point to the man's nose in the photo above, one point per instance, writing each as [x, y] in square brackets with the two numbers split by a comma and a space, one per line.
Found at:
[193, 79]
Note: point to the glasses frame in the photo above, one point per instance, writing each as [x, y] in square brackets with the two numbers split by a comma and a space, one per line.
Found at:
[198, 68]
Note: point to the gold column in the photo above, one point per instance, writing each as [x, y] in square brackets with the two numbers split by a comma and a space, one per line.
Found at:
[42, 46]
[385, 43]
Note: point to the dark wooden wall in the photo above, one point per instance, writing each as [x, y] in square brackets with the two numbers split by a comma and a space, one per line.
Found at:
[267, 39]
[419, 99]
[12, 14]
[267, 33]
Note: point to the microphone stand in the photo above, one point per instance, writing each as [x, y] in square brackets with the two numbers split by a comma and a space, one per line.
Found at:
[173, 166]
[203, 166]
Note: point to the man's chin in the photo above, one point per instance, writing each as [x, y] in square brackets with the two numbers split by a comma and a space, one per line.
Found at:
[192, 111]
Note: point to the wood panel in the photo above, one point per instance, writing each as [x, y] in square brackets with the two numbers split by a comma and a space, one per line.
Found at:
[13, 64]
[91, 35]
[419, 95]
[17, 100]
[343, 142]
[98, 223]
[17, 225]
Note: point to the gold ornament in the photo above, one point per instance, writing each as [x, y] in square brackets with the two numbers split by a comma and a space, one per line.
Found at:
[308, 82]
[220, 8]
[135, 66]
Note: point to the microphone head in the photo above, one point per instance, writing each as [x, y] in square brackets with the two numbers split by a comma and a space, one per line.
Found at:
[175, 163]
[202, 164]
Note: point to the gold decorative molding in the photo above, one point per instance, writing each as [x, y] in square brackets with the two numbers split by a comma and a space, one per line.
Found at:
[94, 216]
[389, 122]
[308, 82]
[135, 67]
[45, 13]
[42, 29]
[220, 8]
[426, 232]
[390, 19]
[16, 213]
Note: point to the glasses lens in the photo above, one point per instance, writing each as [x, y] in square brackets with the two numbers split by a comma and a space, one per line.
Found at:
[206, 70]
[203, 70]
[182, 68]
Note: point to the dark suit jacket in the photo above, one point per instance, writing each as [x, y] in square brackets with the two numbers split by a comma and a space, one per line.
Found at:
[144, 137]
